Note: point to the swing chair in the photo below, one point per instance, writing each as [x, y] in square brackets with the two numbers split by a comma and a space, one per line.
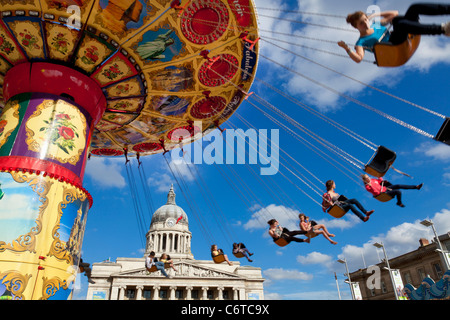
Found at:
[238, 255]
[390, 55]
[219, 258]
[154, 269]
[281, 242]
[383, 197]
[443, 134]
[381, 161]
[337, 211]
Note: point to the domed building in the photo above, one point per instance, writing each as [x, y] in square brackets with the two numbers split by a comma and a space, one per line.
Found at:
[169, 231]
[128, 279]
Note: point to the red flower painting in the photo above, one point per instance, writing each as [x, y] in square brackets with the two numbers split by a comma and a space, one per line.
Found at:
[62, 131]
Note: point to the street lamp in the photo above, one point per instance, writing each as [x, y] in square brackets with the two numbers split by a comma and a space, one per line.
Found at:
[429, 223]
[344, 261]
[380, 245]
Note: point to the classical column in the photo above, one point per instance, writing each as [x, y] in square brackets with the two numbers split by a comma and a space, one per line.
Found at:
[46, 127]
[235, 294]
[156, 292]
[122, 292]
[205, 293]
[220, 293]
[189, 293]
[139, 292]
[114, 293]
[172, 292]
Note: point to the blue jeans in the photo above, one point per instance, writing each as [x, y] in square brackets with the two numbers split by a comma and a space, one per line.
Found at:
[397, 193]
[350, 204]
[160, 266]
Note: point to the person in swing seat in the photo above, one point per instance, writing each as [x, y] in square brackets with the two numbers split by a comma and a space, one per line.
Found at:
[151, 260]
[377, 186]
[372, 33]
[277, 232]
[166, 259]
[313, 229]
[218, 252]
[240, 248]
[331, 198]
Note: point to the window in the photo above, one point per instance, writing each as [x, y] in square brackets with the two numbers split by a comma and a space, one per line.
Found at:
[438, 270]
[421, 273]
[194, 294]
[210, 294]
[147, 294]
[130, 294]
[225, 295]
[407, 277]
[163, 294]
[383, 287]
[179, 294]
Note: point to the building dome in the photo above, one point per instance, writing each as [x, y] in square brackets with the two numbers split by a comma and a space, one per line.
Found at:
[169, 214]
[169, 231]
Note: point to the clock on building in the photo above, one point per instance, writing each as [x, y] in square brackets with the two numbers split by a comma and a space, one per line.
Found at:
[170, 222]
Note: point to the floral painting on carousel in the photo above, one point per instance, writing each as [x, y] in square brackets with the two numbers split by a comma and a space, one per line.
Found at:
[62, 125]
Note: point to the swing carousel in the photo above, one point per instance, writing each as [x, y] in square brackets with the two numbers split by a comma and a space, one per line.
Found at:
[84, 78]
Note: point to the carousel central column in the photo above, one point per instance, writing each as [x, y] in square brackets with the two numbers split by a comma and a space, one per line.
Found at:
[45, 131]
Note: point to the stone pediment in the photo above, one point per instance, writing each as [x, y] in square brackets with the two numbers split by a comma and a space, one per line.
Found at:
[184, 269]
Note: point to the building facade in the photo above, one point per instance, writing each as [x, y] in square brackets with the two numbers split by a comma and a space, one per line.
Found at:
[414, 267]
[128, 279]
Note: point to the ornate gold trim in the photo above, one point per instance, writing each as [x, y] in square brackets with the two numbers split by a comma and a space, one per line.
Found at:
[15, 283]
[51, 286]
[27, 242]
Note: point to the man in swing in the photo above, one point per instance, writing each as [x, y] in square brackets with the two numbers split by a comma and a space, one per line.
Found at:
[372, 33]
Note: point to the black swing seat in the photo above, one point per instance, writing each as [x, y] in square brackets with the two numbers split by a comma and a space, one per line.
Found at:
[443, 134]
[383, 197]
[381, 161]
[390, 55]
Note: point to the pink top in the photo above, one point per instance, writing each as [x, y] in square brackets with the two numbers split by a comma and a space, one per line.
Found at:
[375, 187]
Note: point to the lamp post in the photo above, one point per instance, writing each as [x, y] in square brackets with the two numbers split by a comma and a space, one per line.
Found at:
[344, 261]
[429, 223]
[337, 285]
[380, 245]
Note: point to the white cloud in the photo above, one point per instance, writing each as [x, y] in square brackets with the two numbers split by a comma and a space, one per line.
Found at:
[286, 217]
[106, 172]
[437, 151]
[315, 258]
[286, 274]
[163, 178]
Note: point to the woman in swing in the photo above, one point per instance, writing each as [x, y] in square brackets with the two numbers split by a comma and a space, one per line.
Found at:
[313, 229]
[377, 186]
[277, 232]
[331, 198]
[372, 33]
[219, 252]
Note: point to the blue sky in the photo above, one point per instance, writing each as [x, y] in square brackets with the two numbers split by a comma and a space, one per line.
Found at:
[235, 201]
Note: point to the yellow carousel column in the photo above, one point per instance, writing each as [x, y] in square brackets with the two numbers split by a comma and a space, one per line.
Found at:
[45, 129]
